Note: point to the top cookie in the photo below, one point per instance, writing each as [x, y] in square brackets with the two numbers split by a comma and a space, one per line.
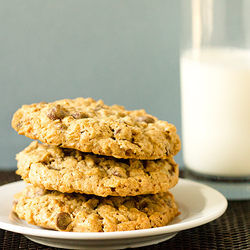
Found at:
[92, 126]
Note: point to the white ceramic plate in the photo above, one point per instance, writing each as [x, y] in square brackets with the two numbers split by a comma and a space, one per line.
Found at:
[198, 204]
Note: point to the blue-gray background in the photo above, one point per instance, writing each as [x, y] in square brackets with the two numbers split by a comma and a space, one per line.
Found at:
[122, 51]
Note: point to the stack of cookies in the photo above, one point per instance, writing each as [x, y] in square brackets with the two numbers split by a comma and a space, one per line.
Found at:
[97, 168]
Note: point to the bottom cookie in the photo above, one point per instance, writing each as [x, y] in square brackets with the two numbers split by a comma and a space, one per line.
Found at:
[88, 213]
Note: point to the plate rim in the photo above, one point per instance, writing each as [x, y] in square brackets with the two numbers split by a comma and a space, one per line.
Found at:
[46, 233]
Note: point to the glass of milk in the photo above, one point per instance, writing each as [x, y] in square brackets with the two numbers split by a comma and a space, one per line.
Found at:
[215, 94]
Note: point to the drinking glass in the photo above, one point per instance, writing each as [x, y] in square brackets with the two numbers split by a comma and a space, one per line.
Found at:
[215, 94]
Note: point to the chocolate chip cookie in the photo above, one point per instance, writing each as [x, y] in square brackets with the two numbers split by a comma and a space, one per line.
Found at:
[88, 213]
[92, 126]
[70, 170]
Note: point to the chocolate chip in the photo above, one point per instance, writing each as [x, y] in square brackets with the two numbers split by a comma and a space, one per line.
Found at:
[146, 119]
[39, 192]
[18, 126]
[60, 126]
[79, 115]
[56, 113]
[15, 201]
[129, 152]
[63, 219]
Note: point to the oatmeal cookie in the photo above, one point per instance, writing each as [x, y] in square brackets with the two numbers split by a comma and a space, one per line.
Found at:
[70, 170]
[88, 213]
[92, 126]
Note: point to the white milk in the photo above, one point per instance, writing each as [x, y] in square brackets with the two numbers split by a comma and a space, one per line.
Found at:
[216, 111]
